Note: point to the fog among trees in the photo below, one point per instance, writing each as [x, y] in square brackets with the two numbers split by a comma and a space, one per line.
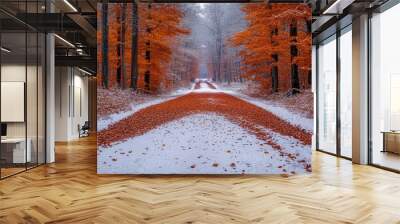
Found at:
[159, 47]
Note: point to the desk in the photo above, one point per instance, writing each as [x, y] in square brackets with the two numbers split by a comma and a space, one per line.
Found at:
[16, 148]
[391, 141]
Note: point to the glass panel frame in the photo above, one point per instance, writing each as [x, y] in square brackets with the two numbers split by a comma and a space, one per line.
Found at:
[13, 73]
[327, 96]
[345, 98]
[341, 93]
[383, 73]
[26, 57]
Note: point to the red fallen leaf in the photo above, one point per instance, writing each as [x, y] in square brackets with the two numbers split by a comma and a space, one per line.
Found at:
[240, 112]
[215, 164]
[291, 156]
[308, 167]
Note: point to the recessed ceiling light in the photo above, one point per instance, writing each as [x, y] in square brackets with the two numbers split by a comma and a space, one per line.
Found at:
[5, 50]
[70, 5]
[65, 41]
[337, 7]
[84, 71]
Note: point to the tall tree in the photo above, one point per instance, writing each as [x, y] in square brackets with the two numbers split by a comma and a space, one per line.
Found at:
[147, 74]
[222, 21]
[141, 48]
[105, 44]
[134, 49]
[122, 46]
[271, 42]
[157, 41]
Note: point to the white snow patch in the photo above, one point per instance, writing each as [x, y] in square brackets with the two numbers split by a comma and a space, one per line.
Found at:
[291, 117]
[204, 143]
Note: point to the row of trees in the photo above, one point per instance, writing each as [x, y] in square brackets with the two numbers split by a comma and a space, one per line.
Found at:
[136, 44]
[275, 47]
[223, 62]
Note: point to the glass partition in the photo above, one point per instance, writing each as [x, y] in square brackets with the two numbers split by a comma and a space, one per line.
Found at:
[385, 89]
[41, 97]
[31, 100]
[346, 92]
[327, 95]
[14, 155]
[22, 87]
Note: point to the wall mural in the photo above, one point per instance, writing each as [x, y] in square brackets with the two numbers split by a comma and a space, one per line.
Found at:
[204, 88]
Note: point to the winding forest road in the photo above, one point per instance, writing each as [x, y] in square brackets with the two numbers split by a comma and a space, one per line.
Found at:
[255, 120]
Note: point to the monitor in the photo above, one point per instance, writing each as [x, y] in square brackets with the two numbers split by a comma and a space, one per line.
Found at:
[3, 129]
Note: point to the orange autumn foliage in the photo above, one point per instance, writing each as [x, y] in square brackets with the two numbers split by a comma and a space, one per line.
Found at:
[273, 32]
[159, 27]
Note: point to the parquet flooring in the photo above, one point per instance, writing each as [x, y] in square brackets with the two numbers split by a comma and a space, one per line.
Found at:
[70, 191]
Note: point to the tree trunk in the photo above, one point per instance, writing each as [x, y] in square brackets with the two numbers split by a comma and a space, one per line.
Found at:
[134, 49]
[295, 79]
[105, 43]
[275, 79]
[118, 16]
[122, 46]
[147, 77]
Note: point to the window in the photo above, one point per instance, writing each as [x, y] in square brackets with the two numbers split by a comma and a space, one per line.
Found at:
[327, 95]
[385, 89]
[22, 78]
[346, 93]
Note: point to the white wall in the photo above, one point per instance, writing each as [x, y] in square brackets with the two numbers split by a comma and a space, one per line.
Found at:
[71, 102]
[33, 126]
[17, 73]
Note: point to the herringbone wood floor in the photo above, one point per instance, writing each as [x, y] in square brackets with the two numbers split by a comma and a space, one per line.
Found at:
[70, 191]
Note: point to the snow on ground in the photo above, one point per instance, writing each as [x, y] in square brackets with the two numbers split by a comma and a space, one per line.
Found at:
[205, 89]
[291, 117]
[204, 143]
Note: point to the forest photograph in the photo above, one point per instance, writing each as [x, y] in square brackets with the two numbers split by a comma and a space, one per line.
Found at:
[204, 88]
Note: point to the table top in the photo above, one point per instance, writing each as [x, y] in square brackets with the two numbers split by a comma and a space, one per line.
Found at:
[391, 132]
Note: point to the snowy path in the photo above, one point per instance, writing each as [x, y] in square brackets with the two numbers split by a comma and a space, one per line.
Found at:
[201, 144]
[203, 132]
